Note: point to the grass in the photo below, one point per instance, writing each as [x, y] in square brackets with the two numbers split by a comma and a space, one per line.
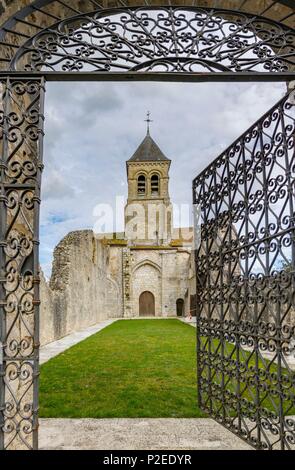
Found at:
[132, 368]
[147, 368]
[258, 387]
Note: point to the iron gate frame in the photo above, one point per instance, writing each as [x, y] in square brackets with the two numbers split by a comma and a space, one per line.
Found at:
[22, 127]
[245, 318]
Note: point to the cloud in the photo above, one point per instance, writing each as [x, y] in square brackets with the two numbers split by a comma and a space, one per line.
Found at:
[91, 129]
[55, 186]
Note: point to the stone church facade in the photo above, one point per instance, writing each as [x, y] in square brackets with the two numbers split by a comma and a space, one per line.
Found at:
[146, 271]
[156, 259]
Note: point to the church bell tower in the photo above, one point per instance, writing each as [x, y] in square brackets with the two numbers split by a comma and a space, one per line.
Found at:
[148, 212]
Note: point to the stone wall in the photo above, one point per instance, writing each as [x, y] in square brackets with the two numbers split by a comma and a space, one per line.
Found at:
[280, 9]
[147, 277]
[87, 283]
[274, 11]
[163, 272]
[85, 286]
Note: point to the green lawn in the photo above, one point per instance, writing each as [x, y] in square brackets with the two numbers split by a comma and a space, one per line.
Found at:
[147, 368]
[132, 368]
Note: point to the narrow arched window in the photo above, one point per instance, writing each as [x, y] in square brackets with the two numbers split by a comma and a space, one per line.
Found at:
[155, 184]
[141, 183]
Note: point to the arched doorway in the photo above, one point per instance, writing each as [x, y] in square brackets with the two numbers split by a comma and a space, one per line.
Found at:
[179, 307]
[146, 304]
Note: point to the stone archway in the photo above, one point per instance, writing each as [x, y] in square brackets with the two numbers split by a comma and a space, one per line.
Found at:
[146, 304]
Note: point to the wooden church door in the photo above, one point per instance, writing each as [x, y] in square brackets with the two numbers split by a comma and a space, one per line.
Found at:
[146, 304]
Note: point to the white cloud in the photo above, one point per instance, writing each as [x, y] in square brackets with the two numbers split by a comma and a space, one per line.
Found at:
[91, 129]
[55, 186]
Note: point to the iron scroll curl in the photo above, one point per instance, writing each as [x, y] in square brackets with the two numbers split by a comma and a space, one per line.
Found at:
[161, 39]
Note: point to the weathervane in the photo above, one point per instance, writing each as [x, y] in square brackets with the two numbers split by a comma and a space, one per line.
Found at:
[148, 120]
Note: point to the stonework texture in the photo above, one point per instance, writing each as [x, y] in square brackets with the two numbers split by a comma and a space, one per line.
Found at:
[99, 277]
[93, 280]
[90, 282]
[85, 286]
[10, 7]
[148, 215]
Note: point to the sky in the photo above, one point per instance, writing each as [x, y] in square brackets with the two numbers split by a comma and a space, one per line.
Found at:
[91, 129]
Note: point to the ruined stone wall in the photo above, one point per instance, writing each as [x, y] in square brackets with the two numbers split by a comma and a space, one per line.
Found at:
[85, 286]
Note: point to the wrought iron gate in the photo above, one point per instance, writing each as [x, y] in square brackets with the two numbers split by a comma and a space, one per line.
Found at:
[21, 124]
[245, 301]
[245, 283]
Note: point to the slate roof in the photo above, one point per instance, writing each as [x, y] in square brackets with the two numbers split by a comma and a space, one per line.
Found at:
[148, 151]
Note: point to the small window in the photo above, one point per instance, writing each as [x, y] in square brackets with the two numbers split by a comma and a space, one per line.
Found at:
[141, 184]
[155, 184]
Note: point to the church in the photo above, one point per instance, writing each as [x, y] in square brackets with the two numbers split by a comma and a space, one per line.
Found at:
[147, 271]
[157, 264]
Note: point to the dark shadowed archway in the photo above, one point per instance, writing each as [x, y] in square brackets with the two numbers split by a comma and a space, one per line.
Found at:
[179, 307]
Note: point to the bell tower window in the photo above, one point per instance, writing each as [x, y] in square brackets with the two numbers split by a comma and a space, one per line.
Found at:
[155, 184]
[141, 185]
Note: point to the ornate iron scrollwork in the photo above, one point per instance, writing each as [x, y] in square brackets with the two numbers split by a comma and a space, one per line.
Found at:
[246, 278]
[160, 39]
[21, 129]
[245, 317]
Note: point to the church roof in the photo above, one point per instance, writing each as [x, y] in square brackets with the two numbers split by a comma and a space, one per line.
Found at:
[148, 151]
